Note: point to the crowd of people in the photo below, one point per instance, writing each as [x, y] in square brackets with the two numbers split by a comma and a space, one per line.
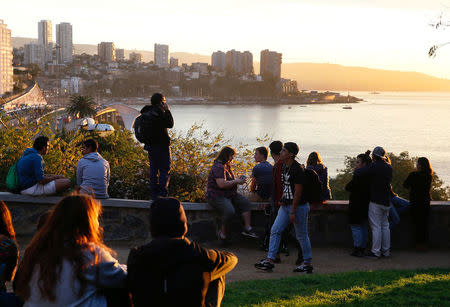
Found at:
[68, 264]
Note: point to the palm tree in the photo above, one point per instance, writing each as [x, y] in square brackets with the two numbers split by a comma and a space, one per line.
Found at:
[81, 106]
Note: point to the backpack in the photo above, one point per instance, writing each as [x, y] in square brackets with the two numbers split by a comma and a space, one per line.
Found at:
[313, 186]
[12, 179]
[143, 128]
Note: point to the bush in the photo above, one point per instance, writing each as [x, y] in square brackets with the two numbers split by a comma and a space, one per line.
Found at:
[402, 165]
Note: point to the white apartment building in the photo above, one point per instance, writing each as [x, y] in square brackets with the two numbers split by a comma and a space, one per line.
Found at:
[64, 43]
[106, 52]
[218, 61]
[270, 64]
[161, 55]
[6, 60]
[34, 54]
[45, 38]
[120, 54]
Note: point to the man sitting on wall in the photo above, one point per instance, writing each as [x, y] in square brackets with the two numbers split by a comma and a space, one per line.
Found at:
[93, 171]
[261, 184]
[171, 270]
[30, 171]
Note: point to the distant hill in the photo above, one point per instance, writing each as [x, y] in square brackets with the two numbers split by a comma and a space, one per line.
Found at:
[311, 75]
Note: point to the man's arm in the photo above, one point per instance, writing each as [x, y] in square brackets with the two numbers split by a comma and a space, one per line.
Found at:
[222, 262]
[167, 119]
[295, 202]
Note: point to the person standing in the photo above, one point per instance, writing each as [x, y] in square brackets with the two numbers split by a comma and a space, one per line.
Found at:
[358, 206]
[294, 209]
[30, 171]
[93, 171]
[315, 163]
[158, 144]
[419, 185]
[379, 173]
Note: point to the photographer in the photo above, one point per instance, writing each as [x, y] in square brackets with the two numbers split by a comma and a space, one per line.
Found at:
[222, 194]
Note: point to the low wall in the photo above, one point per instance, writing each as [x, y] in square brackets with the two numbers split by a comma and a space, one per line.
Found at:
[126, 220]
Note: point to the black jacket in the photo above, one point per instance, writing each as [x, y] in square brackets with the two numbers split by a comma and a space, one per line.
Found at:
[358, 205]
[419, 185]
[161, 120]
[174, 272]
[380, 175]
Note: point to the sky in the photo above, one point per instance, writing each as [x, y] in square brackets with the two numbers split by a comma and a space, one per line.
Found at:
[382, 34]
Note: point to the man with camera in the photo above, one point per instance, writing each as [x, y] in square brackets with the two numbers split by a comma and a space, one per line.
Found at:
[157, 119]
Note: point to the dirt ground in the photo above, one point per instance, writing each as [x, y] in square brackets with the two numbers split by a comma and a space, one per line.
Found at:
[325, 261]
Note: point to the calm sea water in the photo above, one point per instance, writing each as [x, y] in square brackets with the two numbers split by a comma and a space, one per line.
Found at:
[415, 122]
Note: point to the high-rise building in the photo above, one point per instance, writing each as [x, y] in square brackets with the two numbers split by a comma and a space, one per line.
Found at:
[270, 64]
[106, 52]
[233, 61]
[173, 62]
[45, 38]
[136, 57]
[120, 54]
[6, 60]
[161, 54]
[247, 62]
[218, 61]
[34, 54]
[64, 43]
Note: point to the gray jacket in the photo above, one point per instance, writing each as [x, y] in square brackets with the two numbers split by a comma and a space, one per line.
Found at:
[102, 271]
[93, 175]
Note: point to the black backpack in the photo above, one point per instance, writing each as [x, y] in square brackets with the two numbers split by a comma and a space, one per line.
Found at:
[143, 128]
[313, 186]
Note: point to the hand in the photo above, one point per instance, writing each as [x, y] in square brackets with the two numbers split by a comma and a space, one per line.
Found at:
[292, 217]
[240, 181]
[165, 106]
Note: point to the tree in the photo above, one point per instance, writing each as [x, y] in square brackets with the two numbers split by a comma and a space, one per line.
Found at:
[81, 106]
[402, 165]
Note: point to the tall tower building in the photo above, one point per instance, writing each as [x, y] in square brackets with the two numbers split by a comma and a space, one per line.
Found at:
[64, 43]
[247, 62]
[120, 54]
[6, 60]
[161, 55]
[106, 52]
[218, 60]
[45, 38]
[233, 60]
[270, 64]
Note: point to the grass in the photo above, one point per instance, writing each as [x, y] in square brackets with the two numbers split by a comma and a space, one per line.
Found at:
[378, 288]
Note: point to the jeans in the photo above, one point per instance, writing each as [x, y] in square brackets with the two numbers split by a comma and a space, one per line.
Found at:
[360, 233]
[160, 160]
[381, 234]
[301, 230]
[398, 206]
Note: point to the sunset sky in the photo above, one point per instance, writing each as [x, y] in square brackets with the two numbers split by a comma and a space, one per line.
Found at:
[379, 34]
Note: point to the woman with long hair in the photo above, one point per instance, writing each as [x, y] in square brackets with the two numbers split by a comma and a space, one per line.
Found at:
[315, 163]
[419, 185]
[222, 194]
[67, 263]
[358, 206]
[9, 255]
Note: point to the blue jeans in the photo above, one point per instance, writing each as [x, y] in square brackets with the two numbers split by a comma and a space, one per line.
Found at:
[160, 160]
[398, 206]
[360, 233]
[300, 226]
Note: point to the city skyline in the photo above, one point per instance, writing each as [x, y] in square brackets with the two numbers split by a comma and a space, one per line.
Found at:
[343, 32]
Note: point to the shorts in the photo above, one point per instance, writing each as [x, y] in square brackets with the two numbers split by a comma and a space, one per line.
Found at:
[40, 189]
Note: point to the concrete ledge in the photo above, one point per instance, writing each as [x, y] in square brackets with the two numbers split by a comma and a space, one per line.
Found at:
[125, 219]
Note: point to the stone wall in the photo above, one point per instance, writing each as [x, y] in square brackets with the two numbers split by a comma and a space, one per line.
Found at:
[126, 220]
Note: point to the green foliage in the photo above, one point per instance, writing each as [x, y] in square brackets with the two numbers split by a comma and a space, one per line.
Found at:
[375, 288]
[402, 165]
[81, 106]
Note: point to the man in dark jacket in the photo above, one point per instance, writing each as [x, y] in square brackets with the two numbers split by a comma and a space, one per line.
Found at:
[171, 270]
[159, 147]
[380, 174]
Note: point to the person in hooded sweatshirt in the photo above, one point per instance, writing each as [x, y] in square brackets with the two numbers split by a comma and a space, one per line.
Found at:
[315, 163]
[93, 171]
[173, 271]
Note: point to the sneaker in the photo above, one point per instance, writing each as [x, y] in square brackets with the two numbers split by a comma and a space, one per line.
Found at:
[371, 255]
[357, 252]
[265, 265]
[304, 268]
[249, 233]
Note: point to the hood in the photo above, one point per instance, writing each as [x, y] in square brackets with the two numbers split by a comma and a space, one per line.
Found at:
[93, 156]
[146, 109]
[30, 151]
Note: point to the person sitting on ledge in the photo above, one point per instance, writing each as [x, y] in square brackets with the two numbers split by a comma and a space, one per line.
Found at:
[171, 270]
[261, 185]
[30, 171]
[93, 171]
